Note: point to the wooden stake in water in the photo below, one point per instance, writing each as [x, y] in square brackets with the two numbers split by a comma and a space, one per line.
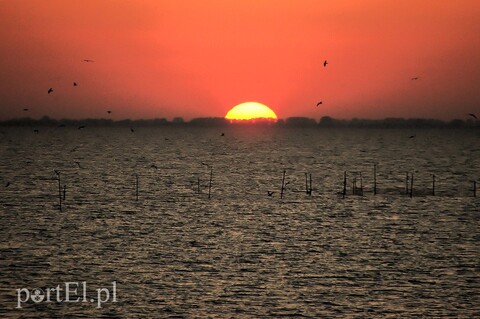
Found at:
[136, 187]
[433, 184]
[64, 192]
[344, 184]
[306, 183]
[283, 184]
[59, 191]
[411, 187]
[374, 179]
[354, 186]
[198, 185]
[361, 184]
[210, 182]
[308, 188]
[406, 184]
[310, 191]
[474, 188]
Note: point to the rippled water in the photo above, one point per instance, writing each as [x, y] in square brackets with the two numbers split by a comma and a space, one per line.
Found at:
[175, 253]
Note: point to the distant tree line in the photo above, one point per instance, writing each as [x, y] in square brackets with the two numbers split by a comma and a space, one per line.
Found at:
[325, 121]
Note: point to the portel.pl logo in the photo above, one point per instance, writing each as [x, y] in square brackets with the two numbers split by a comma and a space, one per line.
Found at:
[68, 292]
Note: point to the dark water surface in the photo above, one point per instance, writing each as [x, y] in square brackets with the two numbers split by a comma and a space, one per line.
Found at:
[175, 253]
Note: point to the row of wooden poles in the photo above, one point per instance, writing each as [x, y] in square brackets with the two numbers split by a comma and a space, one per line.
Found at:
[356, 190]
[63, 191]
[409, 178]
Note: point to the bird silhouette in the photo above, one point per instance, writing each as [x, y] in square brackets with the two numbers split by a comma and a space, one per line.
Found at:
[153, 166]
[412, 136]
[270, 193]
[415, 78]
[473, 115]
[87, 60]
[319, 103]
[109, 112]
[25, 110]
[35, 131]
[78, 163]
[50, 90]
[56, 172]
[325, 63]
[132, 130]
[223, 134]
[81, 126]
[74, 83]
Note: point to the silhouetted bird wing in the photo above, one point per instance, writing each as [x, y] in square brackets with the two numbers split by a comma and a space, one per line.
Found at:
[109, 112]
[319, 103]
[411, 136]
[25, 110]
[78, 163]
[87, 60]
[473, 115]
[74, 83]
[56, 172]
[50, 90]
[415, 78]
[325, 63]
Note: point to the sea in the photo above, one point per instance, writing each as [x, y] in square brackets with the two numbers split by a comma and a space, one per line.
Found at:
[239, 222]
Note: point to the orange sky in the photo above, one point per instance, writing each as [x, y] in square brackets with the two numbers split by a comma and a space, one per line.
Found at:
[188, 58]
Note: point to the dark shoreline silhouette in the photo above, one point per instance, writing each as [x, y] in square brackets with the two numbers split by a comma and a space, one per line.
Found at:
[325, 121]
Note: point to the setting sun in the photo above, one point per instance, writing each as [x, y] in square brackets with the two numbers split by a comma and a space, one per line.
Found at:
[250, 111]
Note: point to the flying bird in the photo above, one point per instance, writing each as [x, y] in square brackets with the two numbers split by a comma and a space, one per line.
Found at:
[415, 78]
[78, 163]
[109, 112]
[270, 193]
[25, 110]
[206, 164]
[56, 172]
[325, 63]
[50, 90]
[132, 130]
[411, 136]
[223, 134]
[473, 115]
[35, 131]
[74, 83]
[319, 103]
[87, 60]
[81, 126]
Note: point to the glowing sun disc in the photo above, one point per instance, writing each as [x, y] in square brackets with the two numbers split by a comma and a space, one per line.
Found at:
[249, 111]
